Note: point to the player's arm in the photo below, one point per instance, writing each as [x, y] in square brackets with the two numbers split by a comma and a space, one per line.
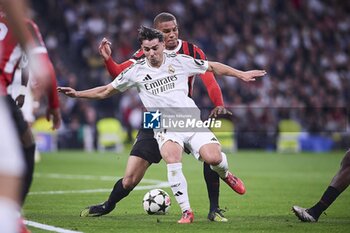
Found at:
[215, 94]
[222, 69]
[114, 69]
[39, 52]
[100, 92]
[212, 87]
[121, 83]
[53, 108]
[209, 80]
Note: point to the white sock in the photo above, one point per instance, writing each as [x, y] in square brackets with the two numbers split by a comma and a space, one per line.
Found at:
[178, 185]
[222, 167]
[9, 222]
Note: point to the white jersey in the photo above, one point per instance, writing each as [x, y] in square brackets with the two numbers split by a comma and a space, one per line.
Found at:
[163, 87]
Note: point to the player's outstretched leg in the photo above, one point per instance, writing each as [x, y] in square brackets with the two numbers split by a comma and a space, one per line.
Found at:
[235, 183]
[303, 214]
[338, 184]
[231, 180]
[134, 172]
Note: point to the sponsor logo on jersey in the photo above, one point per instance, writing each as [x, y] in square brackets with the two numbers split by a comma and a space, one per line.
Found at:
[147, 78]
[161, 85]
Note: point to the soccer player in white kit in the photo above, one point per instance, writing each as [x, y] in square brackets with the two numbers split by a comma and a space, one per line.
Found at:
[161, 80]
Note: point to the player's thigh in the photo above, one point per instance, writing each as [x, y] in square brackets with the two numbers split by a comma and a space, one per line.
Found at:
[171, 145]
[171, 152]
[206, 147]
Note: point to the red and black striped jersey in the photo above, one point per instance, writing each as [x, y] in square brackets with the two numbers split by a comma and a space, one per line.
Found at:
[11, 52]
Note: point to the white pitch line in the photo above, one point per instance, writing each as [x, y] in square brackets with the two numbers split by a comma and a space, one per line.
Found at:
[86, 177]
[145, 187]
[48, 227]
[154, 183]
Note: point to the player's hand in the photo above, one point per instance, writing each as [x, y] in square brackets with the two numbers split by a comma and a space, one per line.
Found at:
[55, 115]
[105, 49]
[219, 110]
[251, 75]
[68, 91]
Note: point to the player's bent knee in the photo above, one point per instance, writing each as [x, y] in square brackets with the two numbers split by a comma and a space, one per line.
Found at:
[213, 158]
[129, 182]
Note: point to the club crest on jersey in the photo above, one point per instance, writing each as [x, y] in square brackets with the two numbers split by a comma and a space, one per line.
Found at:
[151, 120]
[171, 69]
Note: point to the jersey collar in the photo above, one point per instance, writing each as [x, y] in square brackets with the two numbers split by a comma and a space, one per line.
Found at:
[176, 49]
[156, 68]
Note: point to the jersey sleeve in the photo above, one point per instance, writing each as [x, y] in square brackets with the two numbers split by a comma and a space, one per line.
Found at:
[125, 79]
[192, 65]
[114, 69]
[198, 53]
[209, 80]
[39, 51]
[138, 55]
[213, 88]
[37, 42]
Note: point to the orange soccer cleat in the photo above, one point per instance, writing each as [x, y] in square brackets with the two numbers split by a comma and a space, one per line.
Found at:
[187, 217]
[22, 227]
[235, 183]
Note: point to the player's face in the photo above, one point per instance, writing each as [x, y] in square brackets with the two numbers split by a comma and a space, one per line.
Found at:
[170, 32]
[153, 50]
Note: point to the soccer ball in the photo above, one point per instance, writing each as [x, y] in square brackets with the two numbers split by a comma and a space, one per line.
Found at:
[156, 201]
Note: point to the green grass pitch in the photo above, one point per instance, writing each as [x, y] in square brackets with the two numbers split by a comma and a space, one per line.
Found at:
[66, 182]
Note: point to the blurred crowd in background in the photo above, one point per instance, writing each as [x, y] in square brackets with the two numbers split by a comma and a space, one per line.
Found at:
[303, 45]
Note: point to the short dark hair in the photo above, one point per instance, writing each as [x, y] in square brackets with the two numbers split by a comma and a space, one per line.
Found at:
[146, 33]
[163, 17]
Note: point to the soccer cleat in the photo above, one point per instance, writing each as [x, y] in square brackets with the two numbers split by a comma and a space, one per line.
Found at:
[217, 216]
[96, 210]
[235, 183]
[22, 227]
[187, 217]
[303, 214]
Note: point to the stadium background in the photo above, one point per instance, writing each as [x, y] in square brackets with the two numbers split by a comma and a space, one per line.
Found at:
[303, 45]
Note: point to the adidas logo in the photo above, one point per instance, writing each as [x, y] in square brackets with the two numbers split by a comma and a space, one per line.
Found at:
[178, 193]
[213, 139]
[147, 78]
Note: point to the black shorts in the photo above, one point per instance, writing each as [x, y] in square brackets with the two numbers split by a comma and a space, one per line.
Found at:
[146, 146]
[17, 116]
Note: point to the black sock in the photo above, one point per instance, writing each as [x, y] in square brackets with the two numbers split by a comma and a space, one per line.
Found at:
[326, 200]
[117, 194]
[29, 154]
[213, 183]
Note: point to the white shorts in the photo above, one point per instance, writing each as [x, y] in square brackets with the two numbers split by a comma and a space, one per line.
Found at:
[192, 140]
[11, 159]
